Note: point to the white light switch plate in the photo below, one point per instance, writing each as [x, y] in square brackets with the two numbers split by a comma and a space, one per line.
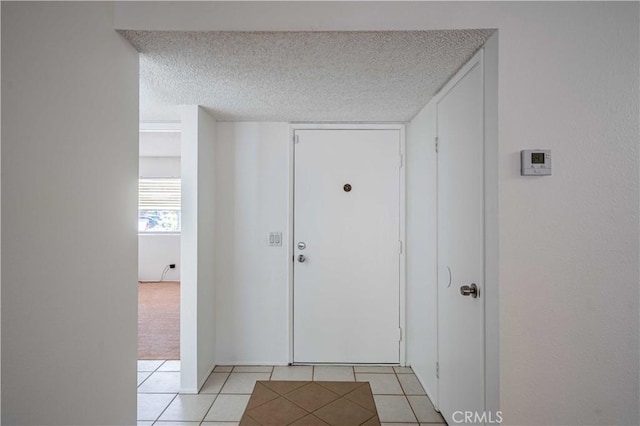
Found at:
[275, 239]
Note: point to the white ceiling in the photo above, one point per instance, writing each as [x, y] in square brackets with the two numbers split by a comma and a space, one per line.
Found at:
[298, 76]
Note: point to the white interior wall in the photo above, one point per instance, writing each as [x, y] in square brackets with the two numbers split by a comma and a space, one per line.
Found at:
[69, 246]
[421, 252]
[207, 226]
[156, 251]
[568, 82]
[251, 278]
[0, 214]
[189, 253]
[159, 167]
[197, 291]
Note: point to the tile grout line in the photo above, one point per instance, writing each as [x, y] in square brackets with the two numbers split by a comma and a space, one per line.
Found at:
[165, 409]
[375, 415]
[151, 374]
[152, 371]
[214, 398]
[254, 388]
[217, 394]
[402, 387]
[241, 393]
[407, 399]
[146, 378]
[208, 409]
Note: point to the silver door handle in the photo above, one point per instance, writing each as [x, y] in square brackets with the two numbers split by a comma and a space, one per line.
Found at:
[301, 258]
[470, 290]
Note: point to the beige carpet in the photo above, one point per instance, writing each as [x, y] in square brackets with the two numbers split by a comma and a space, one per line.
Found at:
[159, 320]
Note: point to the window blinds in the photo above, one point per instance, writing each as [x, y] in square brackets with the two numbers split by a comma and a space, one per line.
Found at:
[159, 194]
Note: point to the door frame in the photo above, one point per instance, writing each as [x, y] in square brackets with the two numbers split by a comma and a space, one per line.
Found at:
[402, 231]
[487, 59]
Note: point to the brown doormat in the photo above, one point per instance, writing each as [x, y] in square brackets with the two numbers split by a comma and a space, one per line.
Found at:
[280, 403]
[159, 320]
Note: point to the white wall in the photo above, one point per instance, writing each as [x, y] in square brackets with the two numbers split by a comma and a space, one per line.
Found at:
[422, 329]
[251, 277]
[206, 245]
[160, 139]
[159, 167]
[197, 290]
[156, 251]
[0, 213]
[569, 255]
[69, 114]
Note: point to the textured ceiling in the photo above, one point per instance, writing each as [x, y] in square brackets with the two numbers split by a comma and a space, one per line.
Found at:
[298, 76]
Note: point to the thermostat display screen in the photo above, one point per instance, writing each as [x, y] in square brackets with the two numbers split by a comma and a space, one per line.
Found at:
[537, 158]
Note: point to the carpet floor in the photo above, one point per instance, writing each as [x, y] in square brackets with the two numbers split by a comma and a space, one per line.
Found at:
[159, 320]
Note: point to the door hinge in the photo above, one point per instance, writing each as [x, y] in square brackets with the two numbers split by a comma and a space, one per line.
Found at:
[400, 247]
[399, 334]
[296, 139]
[401, 161]
[437, 370]
[437, 140]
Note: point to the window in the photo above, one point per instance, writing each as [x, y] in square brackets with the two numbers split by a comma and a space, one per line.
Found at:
[159, 205]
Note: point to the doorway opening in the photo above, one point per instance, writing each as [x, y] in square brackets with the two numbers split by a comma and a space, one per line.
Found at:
[159, 234]
[254, 259]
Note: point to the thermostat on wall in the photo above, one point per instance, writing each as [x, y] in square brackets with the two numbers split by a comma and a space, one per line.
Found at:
[535, 162]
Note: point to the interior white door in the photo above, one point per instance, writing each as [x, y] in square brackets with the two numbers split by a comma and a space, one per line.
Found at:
[346, 228]
[461, 247]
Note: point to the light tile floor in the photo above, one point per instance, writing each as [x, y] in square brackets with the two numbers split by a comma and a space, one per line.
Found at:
[399, 397]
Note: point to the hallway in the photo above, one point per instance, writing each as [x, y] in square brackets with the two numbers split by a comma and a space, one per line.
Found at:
[222, 400]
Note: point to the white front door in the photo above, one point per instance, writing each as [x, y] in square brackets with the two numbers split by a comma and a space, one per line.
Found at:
[461, 247]
[346, 228]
